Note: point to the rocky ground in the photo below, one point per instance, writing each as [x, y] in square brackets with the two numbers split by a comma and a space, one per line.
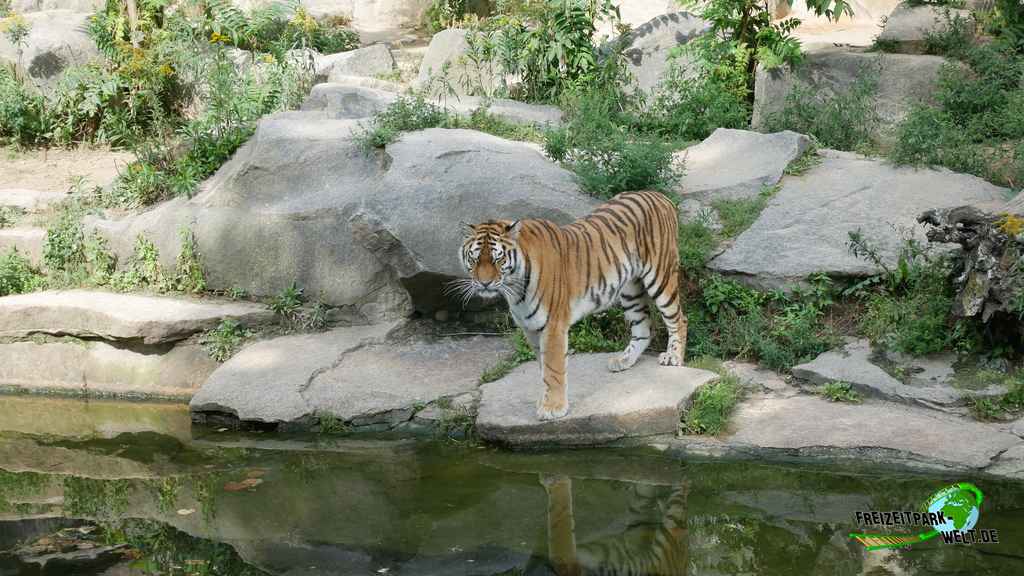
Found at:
[375, 236]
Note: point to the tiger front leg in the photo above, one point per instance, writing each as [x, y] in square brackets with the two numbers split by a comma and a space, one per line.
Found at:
[554, 341]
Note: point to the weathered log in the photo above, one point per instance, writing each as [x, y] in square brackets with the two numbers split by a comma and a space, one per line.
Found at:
[989, 277]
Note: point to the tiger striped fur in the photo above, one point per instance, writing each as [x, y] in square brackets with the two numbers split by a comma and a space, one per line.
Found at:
[552, 276]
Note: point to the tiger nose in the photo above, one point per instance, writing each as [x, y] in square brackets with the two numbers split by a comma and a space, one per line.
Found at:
[487, 283]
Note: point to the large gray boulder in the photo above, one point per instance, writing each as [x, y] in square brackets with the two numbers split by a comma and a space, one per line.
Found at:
[907, 27]
[302, 202]
[445, 63]
[357, 375]
[371, 61]
[903, 81]
[26, 240]
[647, 47]
[646, 400]
[120, 317]
[31, 201]
[56, 40]
[805, 227]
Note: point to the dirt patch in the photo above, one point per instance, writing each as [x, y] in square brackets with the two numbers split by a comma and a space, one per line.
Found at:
[56, 169]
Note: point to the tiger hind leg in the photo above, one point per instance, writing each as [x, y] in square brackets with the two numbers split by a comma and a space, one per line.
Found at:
[634, 305]
[665, 294]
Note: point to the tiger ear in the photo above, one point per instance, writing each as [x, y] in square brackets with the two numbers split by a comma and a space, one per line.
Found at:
[512, 230]
[467, 229]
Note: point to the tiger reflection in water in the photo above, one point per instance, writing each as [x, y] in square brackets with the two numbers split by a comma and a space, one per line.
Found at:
[647, 548]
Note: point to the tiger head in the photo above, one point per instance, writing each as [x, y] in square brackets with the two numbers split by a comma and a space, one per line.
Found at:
[491, 254]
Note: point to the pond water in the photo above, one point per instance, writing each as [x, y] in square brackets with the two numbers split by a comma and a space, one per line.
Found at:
[120, 489]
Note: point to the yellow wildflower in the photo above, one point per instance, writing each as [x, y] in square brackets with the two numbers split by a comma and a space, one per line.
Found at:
[1011, 224]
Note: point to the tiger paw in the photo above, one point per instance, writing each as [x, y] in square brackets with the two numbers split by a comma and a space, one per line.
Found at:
[669, 359]
[620, 363]
[552, 410]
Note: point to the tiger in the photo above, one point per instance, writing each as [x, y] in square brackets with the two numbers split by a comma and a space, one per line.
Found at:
[654, 543]
[552, 276]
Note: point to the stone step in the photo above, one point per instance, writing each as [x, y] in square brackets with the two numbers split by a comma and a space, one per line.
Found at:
[354, 374]
[31, 201]
[645, 400]
[120, 317]
[28, 241]
[103, 369]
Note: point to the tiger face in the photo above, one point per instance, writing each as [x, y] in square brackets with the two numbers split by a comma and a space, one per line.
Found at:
[491, 255]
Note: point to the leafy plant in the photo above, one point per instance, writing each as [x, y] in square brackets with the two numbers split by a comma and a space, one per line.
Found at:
[9, 215]
[288, 302]
[223, 341]
[953, 36]
[188, 270]
[17, 275]
[737, 215]
[24, 116]
[713, 403]
[909, 308]
[843, 121]
[329, 424]
[143, 269]
[743, 30]
[840, 392]
[608, 157]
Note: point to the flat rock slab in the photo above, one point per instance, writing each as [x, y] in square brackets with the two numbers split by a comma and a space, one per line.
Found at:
[29, 200]
[732, 164]
[855, 364]
[352, 374]
[102, 369]
[811, 423]
[113, 316]
[805, 227]
[603, 406]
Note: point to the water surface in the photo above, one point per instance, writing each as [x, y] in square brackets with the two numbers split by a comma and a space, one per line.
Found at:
[118, 488]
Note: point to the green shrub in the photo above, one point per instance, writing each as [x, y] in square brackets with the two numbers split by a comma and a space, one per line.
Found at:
[691, 108]
[405, 114]
[779, 330]
[930, 136]
[607, 156]
[223, 341]
[9, 215]
[713, 403]
[143, 269]
[288, 303]
[908, 304]
[696, 243]
[189, 275]
[17, 275]
[840, 392]
[604, 332]
[844, 121]
[24, 116]
[952, 38]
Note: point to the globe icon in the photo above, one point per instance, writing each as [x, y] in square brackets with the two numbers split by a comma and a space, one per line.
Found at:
[958, 506]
